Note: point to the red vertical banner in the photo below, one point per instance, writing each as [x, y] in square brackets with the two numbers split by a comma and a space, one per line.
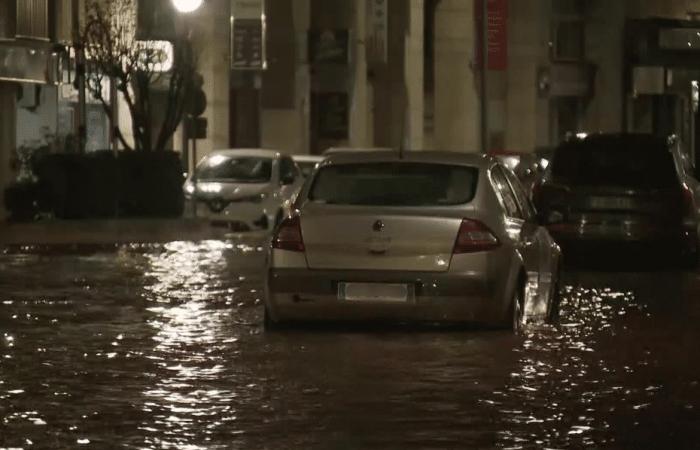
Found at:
[496, 31]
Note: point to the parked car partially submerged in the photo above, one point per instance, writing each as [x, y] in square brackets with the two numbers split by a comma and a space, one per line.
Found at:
[427, 237]
[628, 190]
[243, 189]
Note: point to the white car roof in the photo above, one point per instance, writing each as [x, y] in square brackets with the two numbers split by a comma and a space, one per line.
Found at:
[334, 150]
[308, 158]
[254, 152]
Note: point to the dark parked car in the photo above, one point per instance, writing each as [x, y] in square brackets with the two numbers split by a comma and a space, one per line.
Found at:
[629, 189]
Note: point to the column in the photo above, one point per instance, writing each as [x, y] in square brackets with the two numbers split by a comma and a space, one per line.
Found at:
[211, 36]
[456, 96]
[359, 109]
[413, 74]
[8, 97]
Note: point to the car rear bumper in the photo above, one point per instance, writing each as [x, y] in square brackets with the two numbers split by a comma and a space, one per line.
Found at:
[313, 295]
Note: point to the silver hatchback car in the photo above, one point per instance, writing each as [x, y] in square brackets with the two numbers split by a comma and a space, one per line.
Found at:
[420, 237]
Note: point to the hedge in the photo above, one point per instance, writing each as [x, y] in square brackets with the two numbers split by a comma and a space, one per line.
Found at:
[98, 185]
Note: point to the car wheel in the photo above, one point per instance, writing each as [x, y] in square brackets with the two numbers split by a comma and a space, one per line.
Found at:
[556, 303]
[269, 324]
[554, 309]
[517, 311]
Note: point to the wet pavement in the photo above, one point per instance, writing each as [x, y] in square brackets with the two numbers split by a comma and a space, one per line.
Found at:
[163, 347]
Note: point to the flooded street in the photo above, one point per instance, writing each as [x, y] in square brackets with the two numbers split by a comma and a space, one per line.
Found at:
[163, 347]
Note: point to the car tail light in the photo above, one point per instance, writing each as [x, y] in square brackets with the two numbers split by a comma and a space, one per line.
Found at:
[474, 236]
[288, 235]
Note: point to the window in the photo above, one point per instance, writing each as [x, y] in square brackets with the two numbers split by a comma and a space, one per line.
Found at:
[525, 206]
[395, 184]
[288, 169]
[240, 169]
[33, 19]
[568, 7]
[504, 193]
[7, 22]
[569, 40]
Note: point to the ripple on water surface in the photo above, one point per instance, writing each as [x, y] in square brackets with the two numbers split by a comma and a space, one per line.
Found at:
[162, 347]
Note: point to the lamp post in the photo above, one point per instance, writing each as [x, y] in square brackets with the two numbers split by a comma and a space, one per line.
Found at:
[186, 7]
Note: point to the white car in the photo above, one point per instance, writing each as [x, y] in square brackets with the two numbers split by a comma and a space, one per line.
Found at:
[243, 189]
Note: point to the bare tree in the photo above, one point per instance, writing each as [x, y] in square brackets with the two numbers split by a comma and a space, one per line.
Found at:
[137, 67]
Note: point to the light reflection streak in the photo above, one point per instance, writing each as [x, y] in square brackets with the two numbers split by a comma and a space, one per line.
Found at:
[186, 403]
[555, 369]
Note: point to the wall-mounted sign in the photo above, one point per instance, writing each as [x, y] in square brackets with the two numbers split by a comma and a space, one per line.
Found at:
[496, 33]
[377, 30]
[329, 46]
[248, 35]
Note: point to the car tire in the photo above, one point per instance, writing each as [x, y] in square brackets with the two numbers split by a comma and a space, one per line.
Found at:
[555, 308]
[269, 324]
[514, 320]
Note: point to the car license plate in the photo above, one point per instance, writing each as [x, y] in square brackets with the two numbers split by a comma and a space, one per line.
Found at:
[611, 203]
[373, 292]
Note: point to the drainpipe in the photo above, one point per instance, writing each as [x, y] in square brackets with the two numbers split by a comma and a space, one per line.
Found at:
[484, 125]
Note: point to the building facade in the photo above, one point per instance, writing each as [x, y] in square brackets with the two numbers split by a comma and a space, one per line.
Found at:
[305, 75]
[408, 72]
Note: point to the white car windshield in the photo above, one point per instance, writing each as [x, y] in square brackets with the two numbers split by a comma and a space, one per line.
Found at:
[243, 169]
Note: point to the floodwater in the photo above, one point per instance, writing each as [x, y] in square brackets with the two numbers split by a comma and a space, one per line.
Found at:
[163, 347]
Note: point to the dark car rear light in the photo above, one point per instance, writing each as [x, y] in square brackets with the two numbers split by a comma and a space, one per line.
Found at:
[474, 236]
[288, 235]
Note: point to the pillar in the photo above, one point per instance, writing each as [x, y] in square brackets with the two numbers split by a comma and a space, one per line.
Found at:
[456, 96]
[413, 74]
[211, 40]
[359, 104]
[8, 110]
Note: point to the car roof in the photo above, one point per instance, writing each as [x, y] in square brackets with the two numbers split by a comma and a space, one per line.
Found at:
[308, 158]
[478, 160]
[334, 150]
[626, 138]
[254, 152]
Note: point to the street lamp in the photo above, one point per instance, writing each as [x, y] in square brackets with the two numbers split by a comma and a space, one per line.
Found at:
[187, 6]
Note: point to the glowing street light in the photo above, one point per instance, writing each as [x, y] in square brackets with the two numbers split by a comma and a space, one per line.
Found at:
[187, 6]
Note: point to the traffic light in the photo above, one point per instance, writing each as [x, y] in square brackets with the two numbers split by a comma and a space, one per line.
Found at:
[197, 99]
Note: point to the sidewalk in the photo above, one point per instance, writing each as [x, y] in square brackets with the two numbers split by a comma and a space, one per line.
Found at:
[107, 232]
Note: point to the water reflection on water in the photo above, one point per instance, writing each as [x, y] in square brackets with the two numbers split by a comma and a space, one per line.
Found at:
[162, 347]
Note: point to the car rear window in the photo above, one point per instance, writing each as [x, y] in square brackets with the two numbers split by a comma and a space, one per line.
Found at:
[636, 162]
[394, 184]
